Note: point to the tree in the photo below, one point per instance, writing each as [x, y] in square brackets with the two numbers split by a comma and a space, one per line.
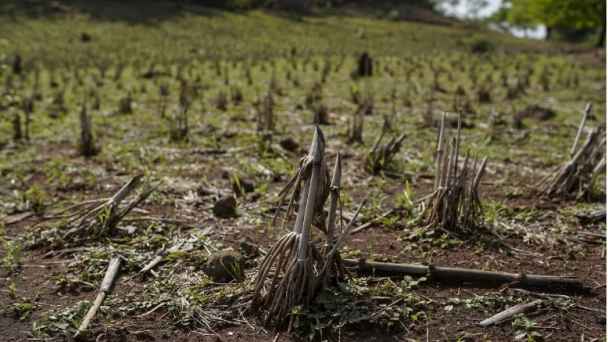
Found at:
[517, 17]
[568, 16]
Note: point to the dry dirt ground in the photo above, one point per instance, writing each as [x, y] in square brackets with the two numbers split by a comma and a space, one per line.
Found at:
[49, 279]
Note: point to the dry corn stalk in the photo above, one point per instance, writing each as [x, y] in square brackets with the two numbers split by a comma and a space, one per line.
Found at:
[96, 218]
[293, 258]
[87, 145]
[454, 205]
[332, 268]
[265, 124]
[320, 114]
[178, 125]
[302, 175]
[104, 290]
[574, 179]
[17, 134]
[378, 158]
[356, 135]
[293, 279]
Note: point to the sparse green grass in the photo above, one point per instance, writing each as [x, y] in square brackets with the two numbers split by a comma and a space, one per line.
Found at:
[12, 260]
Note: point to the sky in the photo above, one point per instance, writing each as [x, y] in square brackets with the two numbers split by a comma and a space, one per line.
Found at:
[464, 8]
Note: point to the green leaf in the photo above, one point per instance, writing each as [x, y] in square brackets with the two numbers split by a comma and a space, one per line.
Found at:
[448, 307]
[454, 301]
[62, 325]
[519, 334]
[322, 299]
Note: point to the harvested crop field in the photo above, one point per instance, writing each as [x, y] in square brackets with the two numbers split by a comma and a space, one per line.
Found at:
[143, 153]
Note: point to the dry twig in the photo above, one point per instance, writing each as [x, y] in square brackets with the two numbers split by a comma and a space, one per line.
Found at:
[464, 274]
[104, 290]
[510, 312]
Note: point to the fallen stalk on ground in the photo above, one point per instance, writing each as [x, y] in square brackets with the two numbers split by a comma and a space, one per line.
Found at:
[462, 273]
[104, 290]
[510, 312]
[157, 259]
[96, 218]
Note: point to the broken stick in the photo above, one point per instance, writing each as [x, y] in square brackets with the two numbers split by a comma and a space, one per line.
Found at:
[463, 273]
[372, 222]
[510, 312]
[158, 259]
[104, 290]
[580, 130]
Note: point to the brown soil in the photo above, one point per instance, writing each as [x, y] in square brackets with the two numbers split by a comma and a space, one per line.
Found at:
[512, 255]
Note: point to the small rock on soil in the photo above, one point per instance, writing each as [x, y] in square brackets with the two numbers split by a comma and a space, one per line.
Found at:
[225, 206]
[225, 265]
[249, 247]
[289, 144]
[245, 185]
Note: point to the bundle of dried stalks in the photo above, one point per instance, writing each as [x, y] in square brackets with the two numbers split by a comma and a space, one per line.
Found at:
[291, 262]
[28, 108]
[314, 96]
[575, 178]
[221, 101]
[293, 279]
[355, 133]
[97, 218]
[164, 99]
[366, 105]
[378, 157]
[96, 99]
[454, 205]
[320, 114]
[17, 133]
[125, 105]
[236, 95]
[265, 123]
[87, 145]
[178, 125]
